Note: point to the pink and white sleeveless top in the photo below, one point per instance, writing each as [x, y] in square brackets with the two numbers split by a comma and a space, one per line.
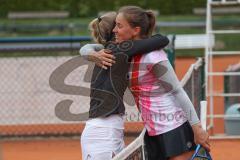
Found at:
[159, 111]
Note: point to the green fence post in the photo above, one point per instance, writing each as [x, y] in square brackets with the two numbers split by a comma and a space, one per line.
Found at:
[170, 49]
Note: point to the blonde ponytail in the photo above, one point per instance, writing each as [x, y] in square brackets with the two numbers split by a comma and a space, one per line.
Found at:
[102, 27]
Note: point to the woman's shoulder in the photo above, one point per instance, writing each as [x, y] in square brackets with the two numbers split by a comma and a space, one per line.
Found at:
[156, 56]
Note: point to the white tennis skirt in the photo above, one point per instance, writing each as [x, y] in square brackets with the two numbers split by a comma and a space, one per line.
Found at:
[101, 143]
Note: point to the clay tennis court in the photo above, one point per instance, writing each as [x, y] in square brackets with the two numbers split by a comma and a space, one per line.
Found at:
[65, 149]
[69, 148]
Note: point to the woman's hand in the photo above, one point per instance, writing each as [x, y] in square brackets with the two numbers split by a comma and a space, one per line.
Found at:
[102, 58]
[201, 136]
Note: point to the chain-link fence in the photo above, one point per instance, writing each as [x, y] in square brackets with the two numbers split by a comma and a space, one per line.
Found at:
[29, 105]
[27, 101]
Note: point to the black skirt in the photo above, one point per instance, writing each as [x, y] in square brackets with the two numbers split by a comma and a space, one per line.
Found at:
[170, 144]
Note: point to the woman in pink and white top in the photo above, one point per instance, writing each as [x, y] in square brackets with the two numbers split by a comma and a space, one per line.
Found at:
[173, 127]
[154, 93]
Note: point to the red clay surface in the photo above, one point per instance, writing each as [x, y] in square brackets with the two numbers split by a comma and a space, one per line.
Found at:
[66, 149]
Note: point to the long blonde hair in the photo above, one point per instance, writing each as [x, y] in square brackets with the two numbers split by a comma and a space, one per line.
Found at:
[102, 27]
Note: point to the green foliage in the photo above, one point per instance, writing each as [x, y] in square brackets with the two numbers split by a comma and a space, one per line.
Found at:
[82, 8]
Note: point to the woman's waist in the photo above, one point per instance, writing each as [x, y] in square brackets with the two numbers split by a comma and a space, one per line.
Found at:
[160, 127]
[113, 121]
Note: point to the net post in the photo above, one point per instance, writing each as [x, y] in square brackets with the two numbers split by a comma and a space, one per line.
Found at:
[203, 114]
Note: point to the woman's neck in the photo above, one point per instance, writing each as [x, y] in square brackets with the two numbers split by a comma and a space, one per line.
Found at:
[137, 38]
